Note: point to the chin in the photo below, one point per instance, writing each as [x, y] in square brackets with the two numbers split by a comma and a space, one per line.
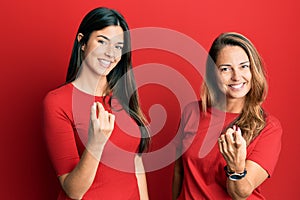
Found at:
[105, 72]
[243, 96]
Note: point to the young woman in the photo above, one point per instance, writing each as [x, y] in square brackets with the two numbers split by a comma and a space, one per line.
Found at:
[94, 128]
[233, 161]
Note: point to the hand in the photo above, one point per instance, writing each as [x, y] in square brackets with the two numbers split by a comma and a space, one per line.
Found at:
[233, 147]
[100, 129]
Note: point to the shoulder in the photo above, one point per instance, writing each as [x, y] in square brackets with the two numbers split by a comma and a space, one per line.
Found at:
[58, 96]
[192, 107]
[272, 129]
[272, 123]
[59, 93]
[269, 137]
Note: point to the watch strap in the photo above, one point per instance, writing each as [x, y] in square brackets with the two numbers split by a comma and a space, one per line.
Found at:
[233, 175]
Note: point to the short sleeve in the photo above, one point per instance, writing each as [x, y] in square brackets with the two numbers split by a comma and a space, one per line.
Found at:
[188, 126]
[265, 149]
[59, 132]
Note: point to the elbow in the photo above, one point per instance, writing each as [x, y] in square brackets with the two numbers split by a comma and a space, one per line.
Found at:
[74, 195]
[70, 189]
[242, 193]
[239, 192]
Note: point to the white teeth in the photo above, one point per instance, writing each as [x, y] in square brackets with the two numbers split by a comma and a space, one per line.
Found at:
[237, 86]
[105, 63]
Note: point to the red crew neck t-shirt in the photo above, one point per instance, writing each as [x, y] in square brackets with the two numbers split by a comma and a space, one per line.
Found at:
[66, 122]
[203, 164]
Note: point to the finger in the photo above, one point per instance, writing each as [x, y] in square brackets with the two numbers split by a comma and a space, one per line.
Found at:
[220, 141]
[105, 116]
[98, 109]
[111, 119]
[229, 136]
[238, 137]
[223, 146]
[101, 111]
[234, 127]
[100, 106]
[93, 111]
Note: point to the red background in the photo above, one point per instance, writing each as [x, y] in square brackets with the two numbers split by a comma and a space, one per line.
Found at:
[36, 42]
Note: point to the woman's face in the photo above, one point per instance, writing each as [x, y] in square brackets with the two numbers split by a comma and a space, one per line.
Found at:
[233, 73]
[103, 50]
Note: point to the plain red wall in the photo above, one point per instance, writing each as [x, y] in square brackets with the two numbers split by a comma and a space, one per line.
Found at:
[36, 41]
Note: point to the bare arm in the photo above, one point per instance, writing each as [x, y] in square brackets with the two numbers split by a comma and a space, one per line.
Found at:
[233, 148]
[243, 188]
[78, 181]
[177, 178]
[141, 177]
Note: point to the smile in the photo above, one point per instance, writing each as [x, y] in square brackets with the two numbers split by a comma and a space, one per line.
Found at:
[236, 86]
[104, 63]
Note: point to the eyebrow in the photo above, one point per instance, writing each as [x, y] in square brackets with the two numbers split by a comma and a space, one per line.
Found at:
[230, 65]
[244, 62]
[103, 36]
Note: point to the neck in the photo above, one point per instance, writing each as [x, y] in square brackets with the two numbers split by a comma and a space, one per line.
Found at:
[235, 106]
[231, 105]
[91, 86]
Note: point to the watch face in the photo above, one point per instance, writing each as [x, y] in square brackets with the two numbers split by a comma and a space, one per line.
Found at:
[237, 176]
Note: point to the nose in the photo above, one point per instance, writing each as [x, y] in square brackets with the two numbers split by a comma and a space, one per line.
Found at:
[236, 75]
[109, 51]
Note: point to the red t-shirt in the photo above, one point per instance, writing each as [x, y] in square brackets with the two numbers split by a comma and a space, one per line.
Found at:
[66, 122]
[203, 164]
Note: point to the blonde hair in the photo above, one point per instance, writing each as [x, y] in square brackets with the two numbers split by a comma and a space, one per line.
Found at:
[252, 118]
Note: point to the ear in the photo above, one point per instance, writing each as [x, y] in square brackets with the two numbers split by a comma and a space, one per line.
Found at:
[79, 38]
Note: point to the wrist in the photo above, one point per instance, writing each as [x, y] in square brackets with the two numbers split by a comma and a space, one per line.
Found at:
[236, 167]
[233, 175]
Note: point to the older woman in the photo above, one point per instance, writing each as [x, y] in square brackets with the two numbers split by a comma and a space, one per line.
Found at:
[231, 162]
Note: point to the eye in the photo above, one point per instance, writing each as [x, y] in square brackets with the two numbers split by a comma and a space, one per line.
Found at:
[224, 69]
[103, 42]
[119, 47]
[245, 66]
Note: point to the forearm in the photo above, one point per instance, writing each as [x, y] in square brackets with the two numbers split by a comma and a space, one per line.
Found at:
[176, 186]
[239, 189]
[141, 178]
[78, 181]
[142, 184]
[177, 179]
[244, 187]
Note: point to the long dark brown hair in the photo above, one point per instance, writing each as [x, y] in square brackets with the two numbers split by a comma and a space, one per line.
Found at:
[121, 81]
[252, 118]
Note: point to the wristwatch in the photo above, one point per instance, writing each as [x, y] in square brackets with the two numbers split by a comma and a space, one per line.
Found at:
[233, 175]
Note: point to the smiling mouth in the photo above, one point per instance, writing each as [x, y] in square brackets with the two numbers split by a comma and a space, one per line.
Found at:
[237, 86]
[104, 63]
